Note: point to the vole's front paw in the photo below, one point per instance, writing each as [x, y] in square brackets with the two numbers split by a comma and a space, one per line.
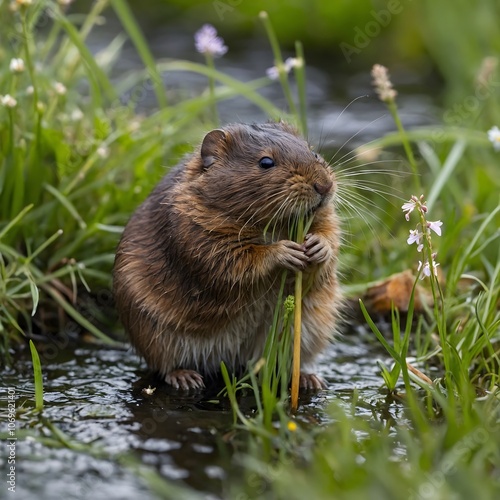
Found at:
[317, 248]
[311, 382]
[185, 379]
[292, 255]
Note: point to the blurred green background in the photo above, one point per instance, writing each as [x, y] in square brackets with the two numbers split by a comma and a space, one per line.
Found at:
[448, 38]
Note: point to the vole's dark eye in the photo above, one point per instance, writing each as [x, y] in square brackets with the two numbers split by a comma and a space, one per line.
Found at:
[266, 162]
[316, 156]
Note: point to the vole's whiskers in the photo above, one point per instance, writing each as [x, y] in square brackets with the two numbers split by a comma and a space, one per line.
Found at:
[351, 155]
[347, 141]
[346, 107]
[348, 167]
[278, 213]
[258, 210]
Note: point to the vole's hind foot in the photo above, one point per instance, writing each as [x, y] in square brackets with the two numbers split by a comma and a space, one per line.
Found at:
[311, 382]
[185, 380]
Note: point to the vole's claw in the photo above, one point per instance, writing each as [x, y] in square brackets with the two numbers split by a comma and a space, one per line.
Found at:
[293, 255]
[316, 248]
[311, 382]
[185, 380]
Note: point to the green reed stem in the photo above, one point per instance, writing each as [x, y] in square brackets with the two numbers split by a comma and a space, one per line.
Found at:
[29, 61]
[300, 78]
[393, 109]
[278, 61]
[211, 87]
[127, 19]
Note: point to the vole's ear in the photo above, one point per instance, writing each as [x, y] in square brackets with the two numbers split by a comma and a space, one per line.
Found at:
[213, 142]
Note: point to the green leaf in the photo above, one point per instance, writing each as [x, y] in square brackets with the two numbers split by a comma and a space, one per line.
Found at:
[66, 204]
[37, 372]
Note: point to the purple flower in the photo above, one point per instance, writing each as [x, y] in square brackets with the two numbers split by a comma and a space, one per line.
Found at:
[415, 237]
[207, 41]
[435, 226]
[412, 204]
[273, 73]
[426, 271]
[426, 268]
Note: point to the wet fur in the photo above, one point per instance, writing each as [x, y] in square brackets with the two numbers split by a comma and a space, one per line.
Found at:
[196, 272]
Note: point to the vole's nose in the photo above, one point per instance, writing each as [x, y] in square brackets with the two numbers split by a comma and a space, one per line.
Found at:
[323, 189]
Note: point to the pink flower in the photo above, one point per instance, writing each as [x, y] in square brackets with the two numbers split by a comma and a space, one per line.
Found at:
[426, 268]
[408, 207]
[435, 226]
[412, 204]
[426, 271]
[415, 237]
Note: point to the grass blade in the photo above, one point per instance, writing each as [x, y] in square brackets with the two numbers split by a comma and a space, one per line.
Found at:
[449, 165]
[15, 220]
[95, 74]
[66, 204]
[37, 373]
[72, 312]
[127, 19]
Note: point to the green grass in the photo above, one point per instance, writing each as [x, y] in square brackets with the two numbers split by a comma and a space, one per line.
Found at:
[74, 165]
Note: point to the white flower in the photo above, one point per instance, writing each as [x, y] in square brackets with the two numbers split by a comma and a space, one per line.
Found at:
[207, 42]
[435, 226]
[290, 63]
[76, 115]
[30, 89]
[60, 88]
[102, 152]
[426, 269]
[382, 83]
[494, 137]
[408, 207]
[412, 204]
[434, 266]
[8, 101]
[415, 237]
[16, 65]
[64, 3]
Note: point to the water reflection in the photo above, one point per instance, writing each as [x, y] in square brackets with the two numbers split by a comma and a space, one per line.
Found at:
[95, 396]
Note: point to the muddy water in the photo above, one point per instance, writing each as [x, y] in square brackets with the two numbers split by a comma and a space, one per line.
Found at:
[94, 396]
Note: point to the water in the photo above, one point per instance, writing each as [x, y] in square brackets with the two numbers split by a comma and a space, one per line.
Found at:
[343, 108]
[95, 397]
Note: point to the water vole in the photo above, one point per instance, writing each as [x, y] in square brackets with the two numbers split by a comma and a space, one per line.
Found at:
[198, 267]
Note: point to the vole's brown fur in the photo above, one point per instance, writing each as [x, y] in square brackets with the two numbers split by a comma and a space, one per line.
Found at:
[199, 264]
